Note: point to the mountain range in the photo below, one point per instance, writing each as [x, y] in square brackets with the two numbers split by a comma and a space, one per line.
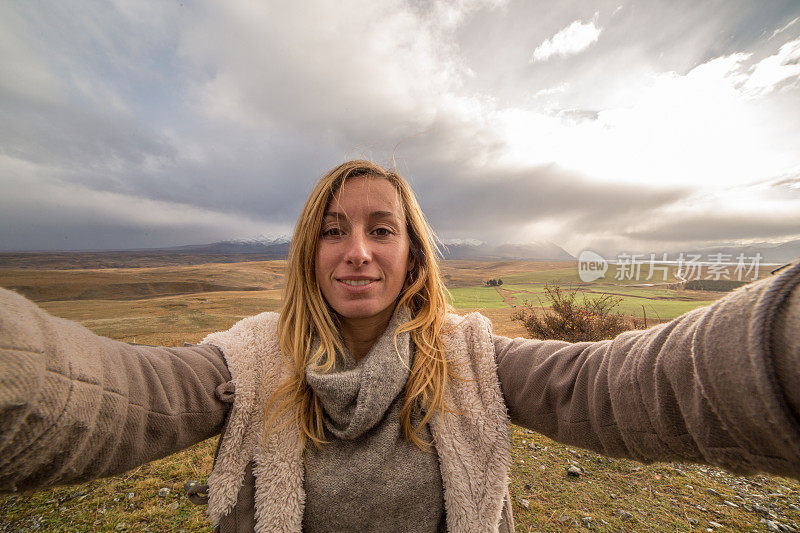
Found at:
[269, 247]
[278, 248]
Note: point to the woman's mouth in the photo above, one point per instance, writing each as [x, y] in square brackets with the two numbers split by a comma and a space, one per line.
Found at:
[357, 284]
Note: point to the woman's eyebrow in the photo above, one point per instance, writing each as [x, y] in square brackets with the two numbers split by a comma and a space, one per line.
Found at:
[383, 214]
[372, 215]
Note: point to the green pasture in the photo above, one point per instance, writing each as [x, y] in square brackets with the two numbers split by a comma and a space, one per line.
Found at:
[570, 275]
[476, 297]
[664, 304]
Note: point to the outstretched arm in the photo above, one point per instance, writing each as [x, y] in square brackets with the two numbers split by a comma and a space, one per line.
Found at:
[75, 406]
[720, 384]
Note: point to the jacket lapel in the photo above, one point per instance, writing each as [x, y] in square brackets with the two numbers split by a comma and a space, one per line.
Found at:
[257, 368]
[472, 436]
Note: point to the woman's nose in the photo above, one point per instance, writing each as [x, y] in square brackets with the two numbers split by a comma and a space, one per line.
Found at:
[357, 250]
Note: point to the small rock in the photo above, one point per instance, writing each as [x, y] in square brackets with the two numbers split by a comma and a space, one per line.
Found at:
[586, 521]
[163, 492]
[624, 515]
[612, 496]
[130, 495]
[174, 506]
[524, 441]
[563, 519]
[574, 471]
[715, 525]
[693, 521]
[766, 511]
[542, 468]
[121, 526]
[689, 487]
[525, 503]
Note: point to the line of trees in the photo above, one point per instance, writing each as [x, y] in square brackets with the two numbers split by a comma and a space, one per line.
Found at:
[494, 282]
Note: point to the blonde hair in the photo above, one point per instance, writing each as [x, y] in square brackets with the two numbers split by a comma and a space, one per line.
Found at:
[305, 314]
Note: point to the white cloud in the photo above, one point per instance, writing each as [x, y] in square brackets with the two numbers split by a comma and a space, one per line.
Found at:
[555, 89]
[572, 40]
[784, 28]
[772, 71]
[32, 194]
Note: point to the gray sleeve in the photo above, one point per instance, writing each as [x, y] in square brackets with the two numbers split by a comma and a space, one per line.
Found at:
[719, 384]
[75, 406]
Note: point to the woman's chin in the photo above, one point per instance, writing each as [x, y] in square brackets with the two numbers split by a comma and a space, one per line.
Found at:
[363, 312]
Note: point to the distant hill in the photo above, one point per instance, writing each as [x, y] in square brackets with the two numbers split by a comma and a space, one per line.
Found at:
[460, 249]
[533, 251]
[259, 249]
[266, 247]
[770, 253]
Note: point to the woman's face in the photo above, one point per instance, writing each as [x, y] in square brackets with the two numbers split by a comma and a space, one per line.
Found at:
[363, 251]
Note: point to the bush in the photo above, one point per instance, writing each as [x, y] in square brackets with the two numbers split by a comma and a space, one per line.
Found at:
[574, 321]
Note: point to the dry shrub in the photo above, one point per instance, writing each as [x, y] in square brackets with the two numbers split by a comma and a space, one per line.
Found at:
[567, 319]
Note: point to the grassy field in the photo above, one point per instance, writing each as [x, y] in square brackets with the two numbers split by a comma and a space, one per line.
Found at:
[157, 305]
[476, 298]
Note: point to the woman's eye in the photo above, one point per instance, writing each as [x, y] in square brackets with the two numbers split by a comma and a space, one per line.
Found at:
[382, 232]
[331, 232]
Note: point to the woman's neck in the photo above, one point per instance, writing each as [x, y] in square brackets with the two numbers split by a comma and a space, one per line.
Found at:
[360, 334]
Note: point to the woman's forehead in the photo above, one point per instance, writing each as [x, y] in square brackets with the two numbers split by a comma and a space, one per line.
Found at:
[361, 196]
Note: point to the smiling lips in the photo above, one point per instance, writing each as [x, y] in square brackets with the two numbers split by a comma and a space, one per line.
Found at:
[356, 282]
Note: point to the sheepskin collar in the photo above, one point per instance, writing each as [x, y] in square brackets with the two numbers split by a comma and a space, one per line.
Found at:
[471, 438]
[356, 395]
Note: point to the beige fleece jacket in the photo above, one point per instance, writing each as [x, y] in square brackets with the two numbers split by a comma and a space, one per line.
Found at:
[716, 385]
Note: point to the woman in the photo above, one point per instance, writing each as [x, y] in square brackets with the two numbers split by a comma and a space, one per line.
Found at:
[364, 378]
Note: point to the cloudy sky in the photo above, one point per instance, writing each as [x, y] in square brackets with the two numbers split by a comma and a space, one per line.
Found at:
[624, 125]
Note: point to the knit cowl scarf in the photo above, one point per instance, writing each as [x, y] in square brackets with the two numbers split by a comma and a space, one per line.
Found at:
[356, 395]
[368, 476]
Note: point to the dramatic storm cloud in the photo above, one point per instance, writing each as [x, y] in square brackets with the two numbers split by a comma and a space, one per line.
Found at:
[624, 126]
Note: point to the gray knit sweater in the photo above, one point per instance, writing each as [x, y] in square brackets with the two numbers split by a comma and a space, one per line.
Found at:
[369, 477]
